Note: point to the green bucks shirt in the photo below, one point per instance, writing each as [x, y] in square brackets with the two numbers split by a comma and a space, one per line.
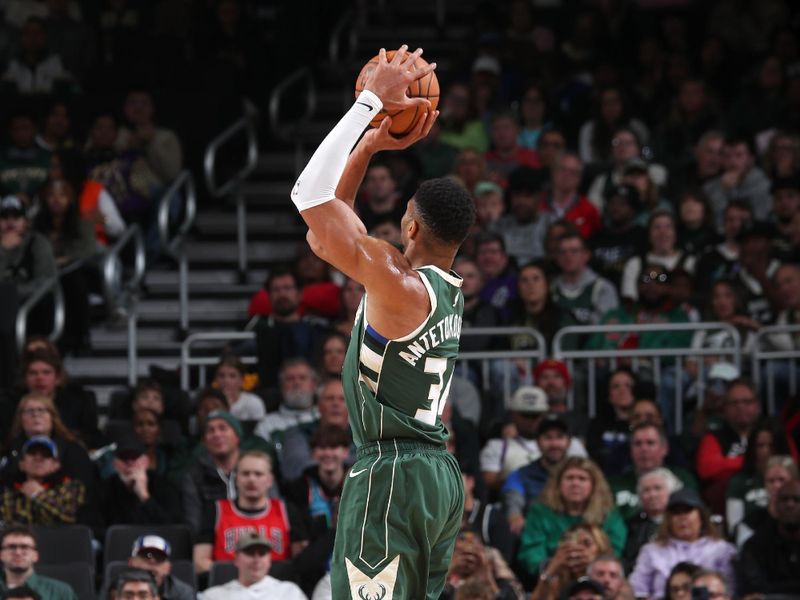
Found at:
[397, 388]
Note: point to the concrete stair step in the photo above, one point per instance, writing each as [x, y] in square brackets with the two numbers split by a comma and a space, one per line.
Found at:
[168, 310]
[111, 371]
[215, 253]
[274, 223]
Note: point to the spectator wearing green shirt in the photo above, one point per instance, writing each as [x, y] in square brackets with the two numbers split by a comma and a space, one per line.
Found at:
[18, 554]
[577, 492]
[649, 448]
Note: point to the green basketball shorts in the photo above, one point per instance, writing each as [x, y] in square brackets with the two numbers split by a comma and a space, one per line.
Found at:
[399, 515]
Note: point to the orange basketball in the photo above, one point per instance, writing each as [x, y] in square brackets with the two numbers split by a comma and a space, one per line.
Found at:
[403, 121]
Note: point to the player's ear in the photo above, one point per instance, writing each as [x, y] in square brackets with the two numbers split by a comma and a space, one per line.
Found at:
[413, 229]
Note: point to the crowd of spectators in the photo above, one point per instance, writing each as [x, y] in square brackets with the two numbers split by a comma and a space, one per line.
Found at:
[631, 163]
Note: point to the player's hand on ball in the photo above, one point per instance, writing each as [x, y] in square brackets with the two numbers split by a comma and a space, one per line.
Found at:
[380, 138]
[390, 79]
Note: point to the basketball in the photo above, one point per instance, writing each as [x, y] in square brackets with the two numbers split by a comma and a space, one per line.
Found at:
[403, 121]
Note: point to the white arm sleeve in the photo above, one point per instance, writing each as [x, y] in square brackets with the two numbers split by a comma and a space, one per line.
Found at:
[317, 183]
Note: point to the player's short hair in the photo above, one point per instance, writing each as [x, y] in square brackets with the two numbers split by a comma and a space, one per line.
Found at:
[446, 209]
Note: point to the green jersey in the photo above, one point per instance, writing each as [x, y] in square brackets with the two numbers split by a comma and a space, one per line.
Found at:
[397, 388]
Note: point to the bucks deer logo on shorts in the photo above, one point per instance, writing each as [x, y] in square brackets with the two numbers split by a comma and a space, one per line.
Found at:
[380, 587]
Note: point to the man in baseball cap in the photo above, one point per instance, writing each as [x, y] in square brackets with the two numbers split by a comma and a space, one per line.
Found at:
[525, 484]
[501, 456]
[553, 377]
[253, 562]
[152, 553]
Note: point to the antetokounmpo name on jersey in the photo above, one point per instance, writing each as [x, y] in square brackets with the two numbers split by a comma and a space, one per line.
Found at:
[447, 328]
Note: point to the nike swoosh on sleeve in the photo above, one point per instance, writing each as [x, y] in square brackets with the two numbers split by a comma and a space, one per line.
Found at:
[369, 108]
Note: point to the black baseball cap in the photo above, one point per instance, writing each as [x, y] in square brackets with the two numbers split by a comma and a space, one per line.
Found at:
[756, 229]
[552, 421]
[585, 583]
[785, 183]
[11, 206]
[627, 192]
[685, 497]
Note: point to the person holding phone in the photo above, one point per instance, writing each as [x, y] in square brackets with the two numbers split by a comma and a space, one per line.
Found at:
[710, 585]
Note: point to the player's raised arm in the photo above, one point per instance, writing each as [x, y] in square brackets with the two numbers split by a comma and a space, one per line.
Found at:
[336, 232]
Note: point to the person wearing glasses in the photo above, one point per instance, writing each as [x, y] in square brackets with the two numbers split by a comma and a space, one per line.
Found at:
[253, 560]
[37, 414]
[722, 449]
[18, 554]
[152, 553]
[654, 304]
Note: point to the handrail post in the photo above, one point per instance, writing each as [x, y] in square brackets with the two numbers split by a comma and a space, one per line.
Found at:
[246, 123]
[175, 246]
[119, 293]
[52, 284]
[290, 132]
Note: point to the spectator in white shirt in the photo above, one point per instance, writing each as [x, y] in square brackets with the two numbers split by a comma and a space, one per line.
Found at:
[253, 562]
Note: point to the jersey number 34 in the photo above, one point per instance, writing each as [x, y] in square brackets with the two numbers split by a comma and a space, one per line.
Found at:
[438, 391]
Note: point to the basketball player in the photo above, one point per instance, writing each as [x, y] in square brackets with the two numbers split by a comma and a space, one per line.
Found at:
[402, 500]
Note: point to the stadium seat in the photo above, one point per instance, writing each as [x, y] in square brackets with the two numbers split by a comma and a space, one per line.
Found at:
[222, 572]
[65, 544]
[182, 569]
[119, 540]
[79, 576]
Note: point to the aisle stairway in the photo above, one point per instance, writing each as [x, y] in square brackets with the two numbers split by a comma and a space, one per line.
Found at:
[217, 297]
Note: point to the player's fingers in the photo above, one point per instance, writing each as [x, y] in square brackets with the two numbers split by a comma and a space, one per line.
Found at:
[385, 124]
[421, 103]
[400, 55]
[432, 116]
[416, 133]
[412, 58]
[382, 56]
[420, 73]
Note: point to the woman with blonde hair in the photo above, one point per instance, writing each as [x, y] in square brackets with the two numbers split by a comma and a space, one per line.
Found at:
[686, 534]
[577, 492]
[37, 415]
[581, 544]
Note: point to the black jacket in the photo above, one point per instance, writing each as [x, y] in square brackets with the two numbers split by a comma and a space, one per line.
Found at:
[769, 563]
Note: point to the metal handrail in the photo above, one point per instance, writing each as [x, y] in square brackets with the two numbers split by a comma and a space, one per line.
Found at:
[558, 352]
[51, 284]
[247, 123]
[116, 291]
[123, 295]
[283, 130]
[334, 41]
[679, 354]
[539, 352]
[767, 354]
[184, 182]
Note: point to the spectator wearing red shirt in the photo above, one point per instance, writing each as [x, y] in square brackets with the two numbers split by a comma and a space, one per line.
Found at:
[506, 154]
[721, 451]
[253, 511]
[565, 201]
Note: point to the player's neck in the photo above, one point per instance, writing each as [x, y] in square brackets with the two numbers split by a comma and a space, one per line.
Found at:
[421, 256]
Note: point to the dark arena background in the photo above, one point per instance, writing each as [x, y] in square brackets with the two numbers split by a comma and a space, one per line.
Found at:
[625, 406]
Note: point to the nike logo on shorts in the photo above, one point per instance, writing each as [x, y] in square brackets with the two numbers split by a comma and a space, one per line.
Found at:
[356, 473]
